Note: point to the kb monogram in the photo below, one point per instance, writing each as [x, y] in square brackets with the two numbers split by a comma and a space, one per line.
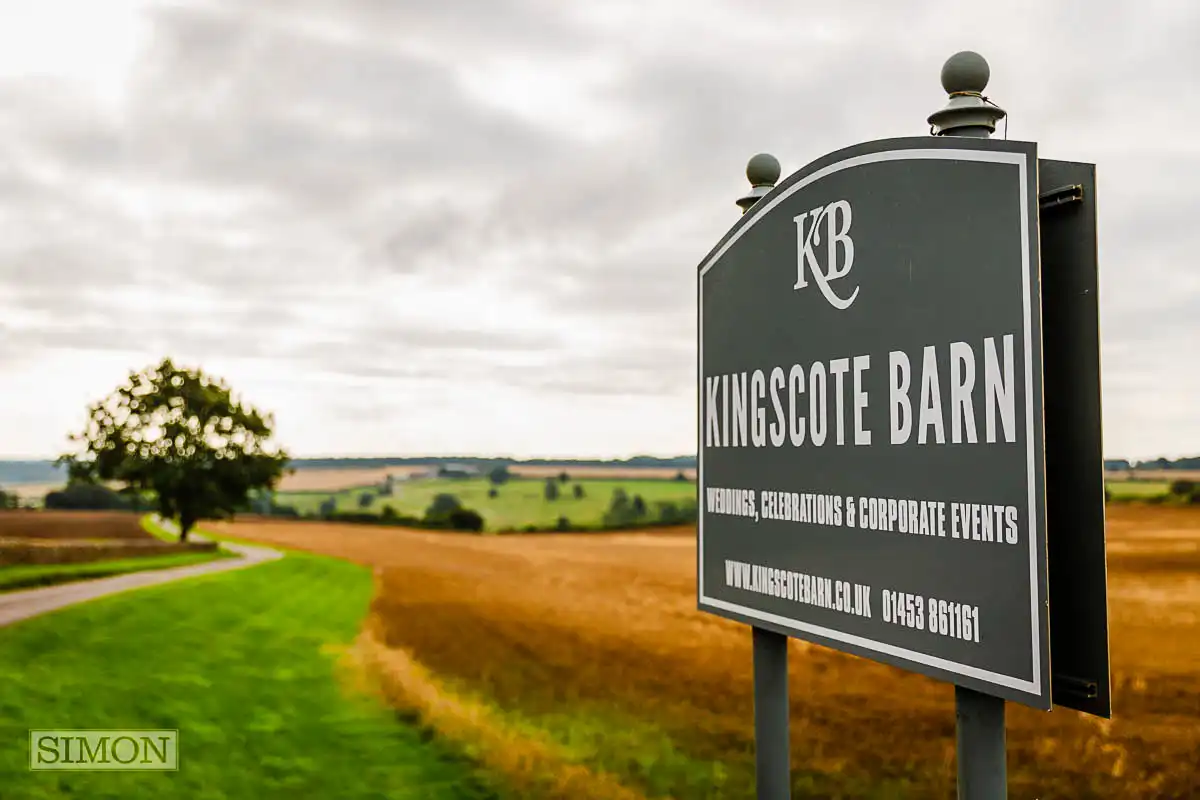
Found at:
[837, 219]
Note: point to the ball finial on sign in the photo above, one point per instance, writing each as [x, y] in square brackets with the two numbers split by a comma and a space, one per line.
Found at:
[763, 173]
[763, 170]
[965, 71]
[968, 113]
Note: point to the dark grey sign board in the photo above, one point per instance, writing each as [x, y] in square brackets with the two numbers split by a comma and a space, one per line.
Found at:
[1077, 568]
[871, 472]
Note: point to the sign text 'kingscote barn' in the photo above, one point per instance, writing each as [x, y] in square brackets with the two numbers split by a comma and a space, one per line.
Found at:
[871, 442]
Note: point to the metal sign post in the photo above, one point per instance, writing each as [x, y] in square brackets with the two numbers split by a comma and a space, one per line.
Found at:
[772, 753]
[978, 717]
[876, 447]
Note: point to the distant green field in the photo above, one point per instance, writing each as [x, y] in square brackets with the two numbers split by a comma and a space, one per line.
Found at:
[520, 502]
[1137, 490]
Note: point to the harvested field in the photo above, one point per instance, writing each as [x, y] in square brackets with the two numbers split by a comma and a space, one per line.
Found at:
[595, 641]
[83, 551]
[311, 480]
[80, 537]
[71, 525]
[33, 491]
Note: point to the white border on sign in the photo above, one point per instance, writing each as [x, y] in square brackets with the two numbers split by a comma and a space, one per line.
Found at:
[1019, 161]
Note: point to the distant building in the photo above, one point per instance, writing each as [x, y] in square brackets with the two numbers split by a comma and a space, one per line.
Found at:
[455, 471]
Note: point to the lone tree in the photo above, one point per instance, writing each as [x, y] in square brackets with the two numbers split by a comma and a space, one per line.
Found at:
[620, 510]
[639, 506]
[1182, 487]
[443, 506]
[182, 435]
[499, 475]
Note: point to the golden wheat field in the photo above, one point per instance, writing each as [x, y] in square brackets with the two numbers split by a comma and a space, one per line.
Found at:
[586, 654]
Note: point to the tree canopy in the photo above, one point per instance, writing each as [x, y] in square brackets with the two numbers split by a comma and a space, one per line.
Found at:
[182, 435]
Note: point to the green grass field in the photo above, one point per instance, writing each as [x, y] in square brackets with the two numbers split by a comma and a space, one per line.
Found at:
[519, 503]
[29, 576]
[152, 527]
[240, 664]
[1137, 490]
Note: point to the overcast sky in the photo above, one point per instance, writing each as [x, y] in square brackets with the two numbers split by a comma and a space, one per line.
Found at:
[472, 226]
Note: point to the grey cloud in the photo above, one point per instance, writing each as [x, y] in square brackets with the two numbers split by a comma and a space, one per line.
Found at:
[400, 338]
[463, 339]
[617, 385]
[647, 368]
[99, 334]
[39, 268]
[48, 116]
[438, 238]
[14, 351]
[75, 336]
[411, 352]
[644, 368]
[457, 30]
[292, 156]
[615, 382]
[366, 365]
[321, 121]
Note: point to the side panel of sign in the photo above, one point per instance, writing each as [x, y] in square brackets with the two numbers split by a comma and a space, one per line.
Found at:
[1074, 447]
[871, 445]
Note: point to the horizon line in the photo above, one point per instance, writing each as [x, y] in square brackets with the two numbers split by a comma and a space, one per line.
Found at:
[445, 456]
[509, 457]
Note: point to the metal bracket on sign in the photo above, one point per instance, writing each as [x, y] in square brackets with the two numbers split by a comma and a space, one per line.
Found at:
[1060, 196]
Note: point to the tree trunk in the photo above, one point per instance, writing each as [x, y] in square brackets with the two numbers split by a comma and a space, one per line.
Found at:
[186, 523]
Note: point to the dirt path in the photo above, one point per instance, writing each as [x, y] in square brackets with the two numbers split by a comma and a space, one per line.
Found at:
[15, 606]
